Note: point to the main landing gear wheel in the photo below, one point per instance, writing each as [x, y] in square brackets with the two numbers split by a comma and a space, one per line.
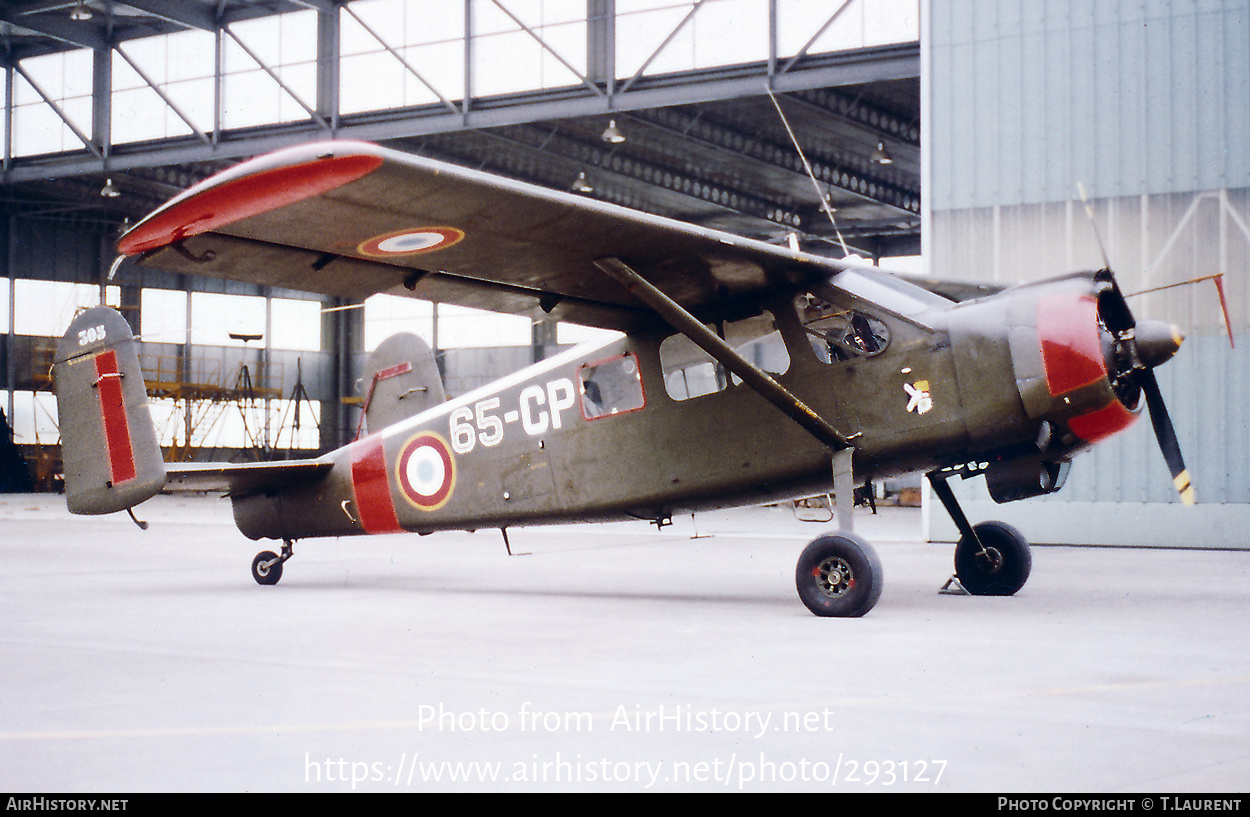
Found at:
[1001, 569]
[838, 575]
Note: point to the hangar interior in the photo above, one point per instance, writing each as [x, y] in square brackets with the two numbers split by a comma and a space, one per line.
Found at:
[113, 107]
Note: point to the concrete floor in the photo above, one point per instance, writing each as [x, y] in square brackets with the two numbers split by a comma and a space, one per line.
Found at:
[611, 658]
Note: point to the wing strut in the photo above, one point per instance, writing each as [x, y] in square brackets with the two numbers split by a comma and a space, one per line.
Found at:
[759, 380]
[707, 340]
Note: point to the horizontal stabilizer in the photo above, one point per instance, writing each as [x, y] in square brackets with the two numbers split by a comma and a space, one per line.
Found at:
[108, 443]
[242, 479]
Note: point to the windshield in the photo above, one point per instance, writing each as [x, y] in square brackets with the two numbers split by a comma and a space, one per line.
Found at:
[890, 293]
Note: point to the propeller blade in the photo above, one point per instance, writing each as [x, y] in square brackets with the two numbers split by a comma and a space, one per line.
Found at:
[1093, 222]
[1166, 435]
[1113, 306]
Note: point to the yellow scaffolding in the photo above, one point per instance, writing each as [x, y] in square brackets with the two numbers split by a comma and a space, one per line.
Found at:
[200, 395]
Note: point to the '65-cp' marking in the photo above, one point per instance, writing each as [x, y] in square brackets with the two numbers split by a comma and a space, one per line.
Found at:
[426, 471]
[537, 409]
[410, 241]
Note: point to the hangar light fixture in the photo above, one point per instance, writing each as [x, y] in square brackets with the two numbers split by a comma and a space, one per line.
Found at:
[881, 156]
[109, 191]
[612, 133]
[581, 185]
[80, 12]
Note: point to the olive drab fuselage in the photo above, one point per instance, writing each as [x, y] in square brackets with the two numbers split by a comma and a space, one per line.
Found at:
[745, 372]
[621, 430]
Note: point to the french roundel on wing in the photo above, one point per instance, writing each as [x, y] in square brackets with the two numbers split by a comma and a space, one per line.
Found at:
[410, 241]
[426, 471]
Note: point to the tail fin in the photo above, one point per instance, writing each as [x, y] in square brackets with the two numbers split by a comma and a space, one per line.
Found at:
[108, 444]
[403, 381]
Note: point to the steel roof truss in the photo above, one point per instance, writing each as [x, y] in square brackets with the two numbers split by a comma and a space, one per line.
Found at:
[169, 103]
[543, 43]
[803, 51]
[647, 62]
[51, 103]
[274, 76]
[451, 106]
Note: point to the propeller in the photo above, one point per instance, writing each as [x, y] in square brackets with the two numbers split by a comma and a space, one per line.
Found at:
[1139, 348]
[1166, 435]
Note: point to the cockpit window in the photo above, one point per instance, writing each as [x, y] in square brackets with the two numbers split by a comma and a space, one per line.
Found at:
[611, 386]
[690, 372]
[838, 333]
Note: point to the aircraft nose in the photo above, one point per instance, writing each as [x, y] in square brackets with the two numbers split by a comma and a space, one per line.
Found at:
[1157, 341]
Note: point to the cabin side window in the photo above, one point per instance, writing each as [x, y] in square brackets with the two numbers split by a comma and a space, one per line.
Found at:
[690, 372]
[838, 333]
[611, 386]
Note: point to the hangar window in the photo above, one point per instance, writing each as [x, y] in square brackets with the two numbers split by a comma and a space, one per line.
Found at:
[690, 372]
[679, 35]
[269, 69]
[226, 320]
[396, 53]
[186, 426]
[34, 418]
[611, 386]
[295, 324]
[45, 308]
[519, 53]
[180, 68]
[218, 319]
[387, 314]
[859, 25]
[462, 327]
[49, 92]
[839, 333]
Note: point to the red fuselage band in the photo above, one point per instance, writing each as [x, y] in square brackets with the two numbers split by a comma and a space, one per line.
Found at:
[373, 491]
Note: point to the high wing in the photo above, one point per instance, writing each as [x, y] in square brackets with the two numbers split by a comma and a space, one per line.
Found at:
[351, 219]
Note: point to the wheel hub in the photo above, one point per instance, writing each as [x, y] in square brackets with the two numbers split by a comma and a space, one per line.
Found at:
[990, 560]
[834, 576]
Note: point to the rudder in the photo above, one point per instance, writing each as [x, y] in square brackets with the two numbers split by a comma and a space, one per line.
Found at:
[403, 381]
[108, 443]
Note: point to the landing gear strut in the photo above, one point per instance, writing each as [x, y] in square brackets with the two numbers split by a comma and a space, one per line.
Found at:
[991, 558]
[267, 566]
[839, 574]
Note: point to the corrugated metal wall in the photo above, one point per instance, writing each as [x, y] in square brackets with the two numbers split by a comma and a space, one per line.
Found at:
[1127, 97]
[1147, 104]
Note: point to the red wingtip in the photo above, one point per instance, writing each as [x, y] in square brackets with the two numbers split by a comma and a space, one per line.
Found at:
[232, 199]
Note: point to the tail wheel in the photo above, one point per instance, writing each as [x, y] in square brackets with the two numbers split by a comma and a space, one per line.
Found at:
[267, 567]
[1000, 567]
[838, 575]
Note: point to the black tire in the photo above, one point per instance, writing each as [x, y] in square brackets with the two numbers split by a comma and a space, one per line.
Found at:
[839, 575]
[263, 574]
[1004, 567]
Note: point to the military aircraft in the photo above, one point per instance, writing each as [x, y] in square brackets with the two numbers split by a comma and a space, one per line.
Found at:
[745, 372]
